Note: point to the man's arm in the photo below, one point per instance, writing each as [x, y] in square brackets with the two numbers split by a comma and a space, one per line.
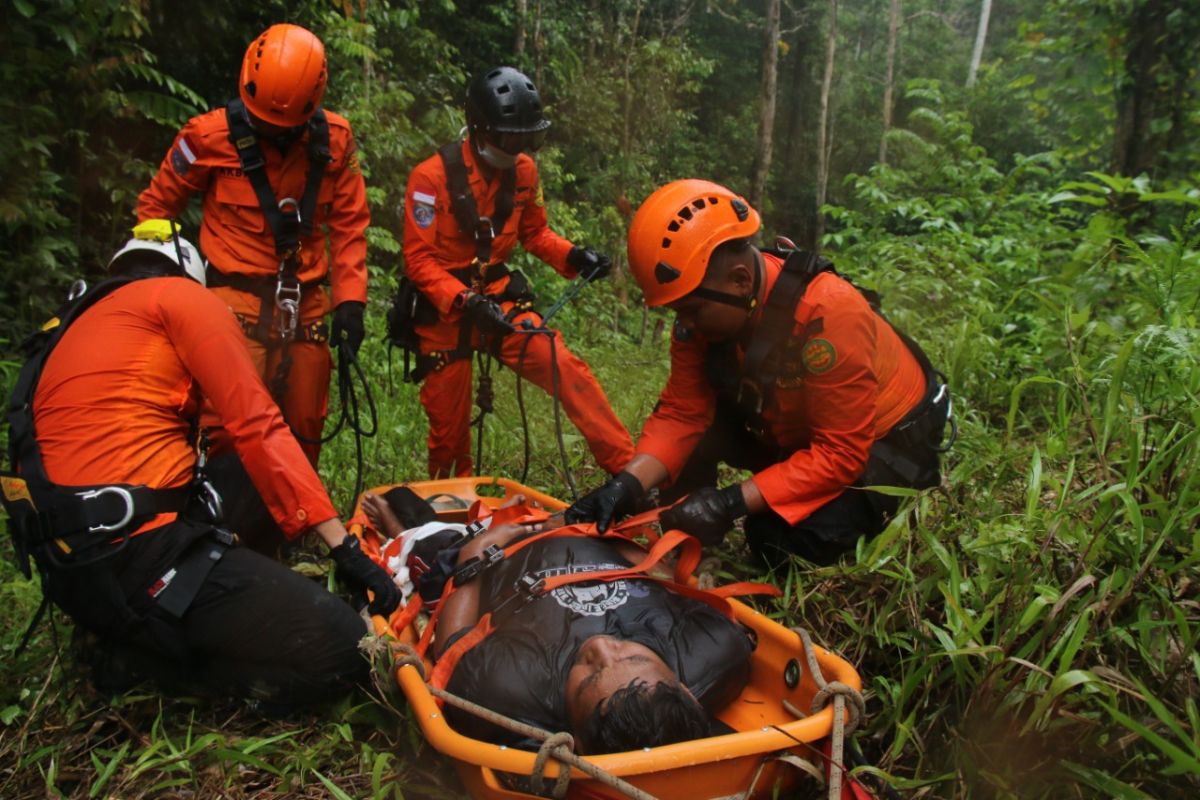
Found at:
[183, 172]
[533, 228]
[684, 412]
[348, 219]
[425, 199]
[210, 345]
[461, 609]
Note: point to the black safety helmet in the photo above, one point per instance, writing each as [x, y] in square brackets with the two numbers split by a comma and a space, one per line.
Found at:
[504, 104]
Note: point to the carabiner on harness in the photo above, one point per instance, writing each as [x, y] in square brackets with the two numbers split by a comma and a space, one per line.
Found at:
[287, 301]
[110, 527]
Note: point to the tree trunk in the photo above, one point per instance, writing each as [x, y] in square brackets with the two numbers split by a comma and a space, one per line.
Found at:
[823, 138]
[889, 80]
[1135, 148]
[985, 13]
[522, 16]
[766, 116]
[537, 44]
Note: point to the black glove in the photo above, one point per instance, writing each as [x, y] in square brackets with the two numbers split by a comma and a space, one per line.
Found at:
[348, 324]
[618, 497]
[588, 263]
[487, 315]
[708, 513]
[357, 569]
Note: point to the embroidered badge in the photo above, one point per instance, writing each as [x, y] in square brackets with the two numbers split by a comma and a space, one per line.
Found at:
[423, 215]
[539, 200]
[179, 162]
[819, 356]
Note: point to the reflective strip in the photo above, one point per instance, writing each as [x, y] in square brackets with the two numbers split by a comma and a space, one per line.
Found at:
[187, 151]
[421, 197]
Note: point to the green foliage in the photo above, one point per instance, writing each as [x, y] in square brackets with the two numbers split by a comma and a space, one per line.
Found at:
[1029, 629]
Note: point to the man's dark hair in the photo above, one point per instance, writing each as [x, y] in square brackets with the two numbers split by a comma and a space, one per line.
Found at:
[637, 716]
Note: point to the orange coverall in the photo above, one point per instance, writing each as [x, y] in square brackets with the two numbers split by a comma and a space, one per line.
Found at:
[120, 413]
[235, 238]
[861, 380]
[433, 245]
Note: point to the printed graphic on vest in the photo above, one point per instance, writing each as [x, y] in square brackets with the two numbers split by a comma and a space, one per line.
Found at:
[819, 356]
[592, 599]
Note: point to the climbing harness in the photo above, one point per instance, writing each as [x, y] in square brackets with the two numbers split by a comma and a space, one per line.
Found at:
[65, 528]
[288, 220]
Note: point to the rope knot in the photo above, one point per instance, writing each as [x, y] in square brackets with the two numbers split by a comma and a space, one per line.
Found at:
[406, 655]
[551, 748]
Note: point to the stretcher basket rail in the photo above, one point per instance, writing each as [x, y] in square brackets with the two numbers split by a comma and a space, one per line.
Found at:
[745, 763]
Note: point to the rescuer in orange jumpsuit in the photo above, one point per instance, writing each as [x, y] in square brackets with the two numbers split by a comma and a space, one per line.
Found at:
[786, 371]
[113, 412]
[275, 171]
[455, 245]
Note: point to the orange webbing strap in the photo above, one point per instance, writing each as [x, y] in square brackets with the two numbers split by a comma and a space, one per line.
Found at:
[427, 634]
[449, 660]
[407, 616]
[689, 559]
[744, 588]
[646, 522]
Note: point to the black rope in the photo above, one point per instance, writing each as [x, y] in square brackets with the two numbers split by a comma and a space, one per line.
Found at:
[529, 330]
[350, 414]
[485, 400]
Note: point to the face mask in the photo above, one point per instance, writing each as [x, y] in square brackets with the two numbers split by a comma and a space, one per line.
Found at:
[494, 156]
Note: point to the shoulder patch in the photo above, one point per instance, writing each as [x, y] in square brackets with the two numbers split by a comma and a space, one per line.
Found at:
[819, 356]
[422, 214]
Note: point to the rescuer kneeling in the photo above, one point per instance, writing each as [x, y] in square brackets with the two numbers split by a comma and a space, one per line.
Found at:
[781, 366]
[112, 501]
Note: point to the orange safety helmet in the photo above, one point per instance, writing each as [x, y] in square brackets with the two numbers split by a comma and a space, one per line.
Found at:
[283, 75]
[675, 231]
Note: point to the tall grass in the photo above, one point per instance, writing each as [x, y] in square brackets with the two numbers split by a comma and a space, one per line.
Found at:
[1029, 629]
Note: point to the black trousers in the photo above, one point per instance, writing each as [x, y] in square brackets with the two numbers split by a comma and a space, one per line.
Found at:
[823, 536]
[255, 629]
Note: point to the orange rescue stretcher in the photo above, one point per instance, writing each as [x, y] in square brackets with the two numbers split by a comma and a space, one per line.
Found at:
[759, 759]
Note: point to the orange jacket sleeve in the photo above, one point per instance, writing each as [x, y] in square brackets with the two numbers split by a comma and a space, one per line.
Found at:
[425, 199]
[840, 408]
[535, 234]
[183, 172]
[210, 345]
[684, 411]
[347, 220]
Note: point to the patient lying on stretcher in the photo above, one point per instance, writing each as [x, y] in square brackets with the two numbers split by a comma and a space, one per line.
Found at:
[621, 665]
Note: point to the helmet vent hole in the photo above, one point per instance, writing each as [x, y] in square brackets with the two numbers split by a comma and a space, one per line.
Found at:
[508, 110]
[674, 226]
[308, 107]
[698, 203]
[712, 201]
[666, 243]
[251, 88]
[686, 213]
[503, 89]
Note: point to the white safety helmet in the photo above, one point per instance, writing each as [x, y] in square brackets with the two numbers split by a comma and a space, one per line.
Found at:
[162, 236]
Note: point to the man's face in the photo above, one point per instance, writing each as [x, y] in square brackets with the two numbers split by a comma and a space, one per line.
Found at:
[715, 321]
[605, 664]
